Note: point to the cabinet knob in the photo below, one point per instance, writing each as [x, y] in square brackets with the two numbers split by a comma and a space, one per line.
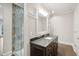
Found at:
[52, 46]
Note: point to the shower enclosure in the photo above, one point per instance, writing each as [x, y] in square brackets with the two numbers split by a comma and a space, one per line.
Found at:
[17, 29]
[1, 30]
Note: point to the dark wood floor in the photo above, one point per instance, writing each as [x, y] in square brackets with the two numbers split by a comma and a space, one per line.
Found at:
[65, 50]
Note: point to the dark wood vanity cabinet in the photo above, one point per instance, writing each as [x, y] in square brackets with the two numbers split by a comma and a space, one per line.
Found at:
[55, 47]
[37, 50]
[50, 50]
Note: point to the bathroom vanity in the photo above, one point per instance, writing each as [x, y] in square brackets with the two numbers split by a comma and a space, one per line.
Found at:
[40, 44]
[44, 46]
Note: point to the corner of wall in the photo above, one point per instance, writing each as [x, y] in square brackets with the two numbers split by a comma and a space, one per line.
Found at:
[75, 50]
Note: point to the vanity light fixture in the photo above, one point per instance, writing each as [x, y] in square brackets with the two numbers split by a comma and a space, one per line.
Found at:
[43, 12]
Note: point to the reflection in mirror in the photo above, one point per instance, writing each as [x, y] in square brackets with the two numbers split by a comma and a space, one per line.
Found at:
[1, 30]
[42, 24]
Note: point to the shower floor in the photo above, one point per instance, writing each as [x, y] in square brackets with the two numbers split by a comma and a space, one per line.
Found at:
[19, 52]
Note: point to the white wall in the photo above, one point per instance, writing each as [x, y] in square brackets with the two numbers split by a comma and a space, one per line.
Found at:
[76, 29]
[26, 33]
[7, 27]
[62, 25]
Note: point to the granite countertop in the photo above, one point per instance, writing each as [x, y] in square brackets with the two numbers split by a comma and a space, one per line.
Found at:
[43, 42]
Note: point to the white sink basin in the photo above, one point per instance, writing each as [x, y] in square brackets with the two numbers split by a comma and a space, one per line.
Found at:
[49, 38]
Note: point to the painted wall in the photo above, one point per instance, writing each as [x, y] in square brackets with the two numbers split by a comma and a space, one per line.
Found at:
[76, 29]
[26, 33]
[62, 25]
[7, 40]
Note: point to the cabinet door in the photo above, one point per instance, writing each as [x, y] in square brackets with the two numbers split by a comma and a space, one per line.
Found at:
[55, 47]
[49, 50]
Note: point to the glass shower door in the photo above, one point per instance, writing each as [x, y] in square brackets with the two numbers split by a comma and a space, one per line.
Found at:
[17, 30]
[1, 30]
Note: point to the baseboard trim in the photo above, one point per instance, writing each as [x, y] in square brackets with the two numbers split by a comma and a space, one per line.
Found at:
[7, 53]
[66, 43]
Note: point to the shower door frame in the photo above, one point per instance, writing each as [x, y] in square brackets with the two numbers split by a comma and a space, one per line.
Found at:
[14, 6]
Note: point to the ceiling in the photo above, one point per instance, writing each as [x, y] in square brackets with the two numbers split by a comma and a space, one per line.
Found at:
[60, 8]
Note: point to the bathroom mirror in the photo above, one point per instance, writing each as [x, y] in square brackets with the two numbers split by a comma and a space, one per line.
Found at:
[42, 24]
